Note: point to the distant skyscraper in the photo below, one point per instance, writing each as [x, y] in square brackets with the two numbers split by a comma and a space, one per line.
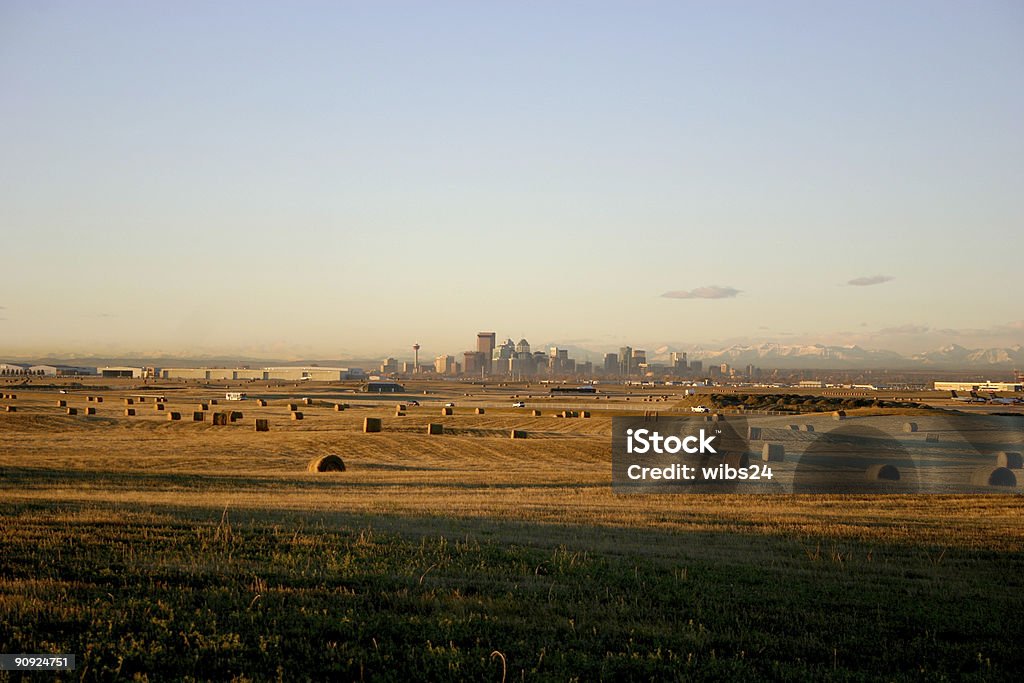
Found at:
[678, 361]
[485, 345]
[625, 355]
[611, 364]
[473, 363]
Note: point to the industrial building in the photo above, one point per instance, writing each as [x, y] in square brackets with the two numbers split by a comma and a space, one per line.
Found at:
[384, 388]
[8, 369]
[60, 371]
[122, 371]
[310, 373]
[978, 386]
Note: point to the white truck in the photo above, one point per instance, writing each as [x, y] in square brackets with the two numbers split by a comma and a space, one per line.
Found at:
[234, 396]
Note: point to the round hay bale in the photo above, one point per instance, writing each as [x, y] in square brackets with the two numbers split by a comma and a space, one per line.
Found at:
[338, 407]
[536, 413]
[326, 463]
[129, 401]
[293, 407]
[262, 425]
[737, 460]
[261, 403]
[1011, 460]
[435, 428]
[129, 412]
[773, 452]
[296, 415]
[90, 411]
[307, 401]
[99, 399]
[62, 404]
[808, 428]
[202, 406]
[994, 476]
[447, 411]
[585, 414]
[371, 425]
[882, 472]
[12, 409]
[173, 416]
[518, 434]
[794, 428]
[839, 415]
[909, 427]
[158, 406]
[72, 411]
[479, 411]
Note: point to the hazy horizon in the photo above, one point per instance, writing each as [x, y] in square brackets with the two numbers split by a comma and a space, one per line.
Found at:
[342, 180]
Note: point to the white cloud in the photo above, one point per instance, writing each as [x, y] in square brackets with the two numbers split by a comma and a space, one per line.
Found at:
[870, 280]
[709, 292]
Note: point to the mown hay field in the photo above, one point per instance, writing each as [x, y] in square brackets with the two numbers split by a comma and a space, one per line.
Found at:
[159, 550]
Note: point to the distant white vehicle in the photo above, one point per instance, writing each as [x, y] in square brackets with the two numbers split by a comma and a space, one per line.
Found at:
[234, 396]
[519, 404]
[449, 405]
[700, 409]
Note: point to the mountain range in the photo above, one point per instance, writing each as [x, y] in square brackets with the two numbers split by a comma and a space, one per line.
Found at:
[820, 356]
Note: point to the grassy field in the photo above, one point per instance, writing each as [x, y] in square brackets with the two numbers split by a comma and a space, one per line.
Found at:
[161, 550]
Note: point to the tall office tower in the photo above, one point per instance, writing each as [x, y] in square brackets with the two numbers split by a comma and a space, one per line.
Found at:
[485, 345]
[625, 355]
[611, 364]
[678, 361]
[639, 358]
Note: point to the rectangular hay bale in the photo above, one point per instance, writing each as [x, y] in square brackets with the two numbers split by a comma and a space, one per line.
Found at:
[262, 425]
[371, 425]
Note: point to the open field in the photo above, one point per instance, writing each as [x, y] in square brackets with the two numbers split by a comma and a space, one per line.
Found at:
[179, 549]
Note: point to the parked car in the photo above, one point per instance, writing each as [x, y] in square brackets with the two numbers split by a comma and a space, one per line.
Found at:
[700, 409]
[519, 404]
[449, 405]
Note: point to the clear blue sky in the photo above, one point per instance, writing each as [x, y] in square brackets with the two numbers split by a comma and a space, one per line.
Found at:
[346, 178]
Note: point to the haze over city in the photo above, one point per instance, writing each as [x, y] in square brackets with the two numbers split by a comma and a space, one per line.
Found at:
[345, 179]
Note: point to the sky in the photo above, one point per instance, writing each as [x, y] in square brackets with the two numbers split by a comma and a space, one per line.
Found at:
[339, 179]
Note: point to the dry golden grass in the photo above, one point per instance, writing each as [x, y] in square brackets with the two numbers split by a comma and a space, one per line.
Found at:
[560, 474]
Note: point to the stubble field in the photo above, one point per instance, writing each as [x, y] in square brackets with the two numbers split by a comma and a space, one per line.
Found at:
[181, 550]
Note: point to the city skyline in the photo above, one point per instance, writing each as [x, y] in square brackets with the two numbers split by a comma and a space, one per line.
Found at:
[325, 180]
